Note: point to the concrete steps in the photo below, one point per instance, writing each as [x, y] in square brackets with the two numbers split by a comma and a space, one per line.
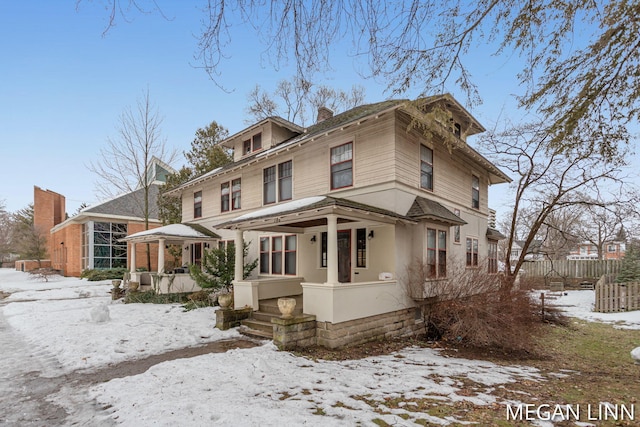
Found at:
[259, 324]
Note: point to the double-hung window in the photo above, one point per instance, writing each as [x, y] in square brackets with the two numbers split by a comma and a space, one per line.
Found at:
[472, 252]
[361, 247]
[436, 253]
[230, 195]
[197, 204]
[342, 166]
[475, 192]
[277, 183]
[426, 168]
[278, 255]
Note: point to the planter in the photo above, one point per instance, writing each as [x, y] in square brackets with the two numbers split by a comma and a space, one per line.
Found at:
[225, 300]
[133, 286]
[286, 307]
[116, 283]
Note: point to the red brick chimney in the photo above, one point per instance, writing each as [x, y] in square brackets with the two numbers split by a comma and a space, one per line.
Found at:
[323, 114]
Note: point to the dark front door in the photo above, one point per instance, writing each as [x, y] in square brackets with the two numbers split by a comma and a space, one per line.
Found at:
[344, 256]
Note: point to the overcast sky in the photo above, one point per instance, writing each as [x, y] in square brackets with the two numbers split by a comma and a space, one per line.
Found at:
[63, 86]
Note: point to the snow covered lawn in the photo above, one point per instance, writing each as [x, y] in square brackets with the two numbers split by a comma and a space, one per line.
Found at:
[256, 386]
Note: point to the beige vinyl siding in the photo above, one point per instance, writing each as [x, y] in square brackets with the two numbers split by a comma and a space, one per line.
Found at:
[451, 172]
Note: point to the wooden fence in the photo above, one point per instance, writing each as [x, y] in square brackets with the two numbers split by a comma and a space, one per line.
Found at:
[572, 269]
[611, 297]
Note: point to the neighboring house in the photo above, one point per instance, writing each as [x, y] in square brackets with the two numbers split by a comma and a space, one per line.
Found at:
[534, 252]
[92, 238]
[614, 249]
[336, 212]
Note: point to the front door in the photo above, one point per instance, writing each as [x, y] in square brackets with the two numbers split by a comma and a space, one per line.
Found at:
[344, 256]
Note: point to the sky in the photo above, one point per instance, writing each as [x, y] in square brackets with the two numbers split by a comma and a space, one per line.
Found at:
[63, 87]
[213, 389]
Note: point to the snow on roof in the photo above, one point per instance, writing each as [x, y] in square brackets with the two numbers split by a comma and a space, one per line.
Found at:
[284, 207]
[172, 230]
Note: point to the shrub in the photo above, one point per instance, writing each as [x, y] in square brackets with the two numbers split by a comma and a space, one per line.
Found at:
[150, 297]
[471, 307]
[94, 275]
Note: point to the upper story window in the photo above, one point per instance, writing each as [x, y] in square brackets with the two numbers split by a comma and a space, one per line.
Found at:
[277, 183]
[426, 168]
[342, 166]
[230, 195]
[475, 192]
[252, 144]
[197, 204]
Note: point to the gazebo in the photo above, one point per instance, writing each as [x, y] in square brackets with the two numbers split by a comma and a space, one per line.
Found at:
[184, 235]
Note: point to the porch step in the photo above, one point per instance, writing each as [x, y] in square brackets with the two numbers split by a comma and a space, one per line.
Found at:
[259, 324]
[271, 305]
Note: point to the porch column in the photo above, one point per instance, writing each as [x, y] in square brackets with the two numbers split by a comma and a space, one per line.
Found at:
[332, 249]
[239, 267]
[133, 257]
[160, 255]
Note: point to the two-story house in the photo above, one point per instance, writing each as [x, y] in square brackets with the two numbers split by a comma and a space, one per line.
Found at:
[337, 211]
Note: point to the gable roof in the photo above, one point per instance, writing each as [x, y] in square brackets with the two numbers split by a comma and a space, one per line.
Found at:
[174, 233]
[129, 204]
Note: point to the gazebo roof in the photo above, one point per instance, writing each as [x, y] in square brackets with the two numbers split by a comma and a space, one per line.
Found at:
[174, 233]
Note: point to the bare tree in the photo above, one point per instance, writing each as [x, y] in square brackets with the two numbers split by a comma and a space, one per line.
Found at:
[124, 163]
[6, 231]
[580, 58]
[297, 100]
[601, 222]
[547, 181]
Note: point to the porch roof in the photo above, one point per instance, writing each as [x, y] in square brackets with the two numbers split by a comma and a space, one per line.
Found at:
[431, 210]
[309, 212]
[174, 234]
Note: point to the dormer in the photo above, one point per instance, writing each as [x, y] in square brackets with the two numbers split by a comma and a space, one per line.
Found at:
[261, 136]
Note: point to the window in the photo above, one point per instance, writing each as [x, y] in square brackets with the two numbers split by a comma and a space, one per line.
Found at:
[264, 255]
[285, 184]
[456, 228]
[103, 245]
[224, 197]
[472, 252]
[436, 253]
[457, 130]
[290, 255]
[426, 168]
[269, 185]
[611, 248]
[235, 194]
[361, 247]
[475, 192]
[197, 204]
[282, 174]
[342, 166]
[323, 249]
[278, 254]
[253, 144]
[492, 258]
[230, 195]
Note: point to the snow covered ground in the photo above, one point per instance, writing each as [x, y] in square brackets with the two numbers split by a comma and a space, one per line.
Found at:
[255, 386]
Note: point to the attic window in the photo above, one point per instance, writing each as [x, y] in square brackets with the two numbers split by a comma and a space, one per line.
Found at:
[253, 144]
[457, 130]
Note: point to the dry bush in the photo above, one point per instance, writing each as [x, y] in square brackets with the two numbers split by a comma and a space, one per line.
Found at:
[469, 306]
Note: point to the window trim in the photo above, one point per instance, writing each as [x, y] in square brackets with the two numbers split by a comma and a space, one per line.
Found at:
[457, 239]
[475, 192]
[428, 164]
[230, 196]
[492, 257]
[472, 249]
[361, 248]
[277, 182]
[268, 255]
[249, 145]
[197, 204]
[439, 253]
[331, 165]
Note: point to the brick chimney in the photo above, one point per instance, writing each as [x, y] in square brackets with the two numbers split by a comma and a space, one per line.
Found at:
[323, 114]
